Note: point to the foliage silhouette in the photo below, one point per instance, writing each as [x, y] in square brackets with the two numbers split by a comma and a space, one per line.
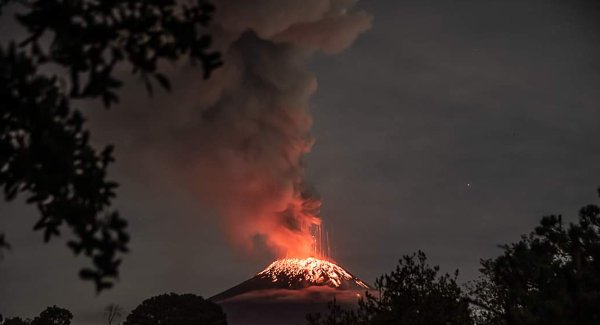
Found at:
[4, 245]
[550, 276]
[174, 309]
[15, 321]
[53, 316]
[337, 315]
[414, 293]
[45, 150]
[113, 312]
[50, 316]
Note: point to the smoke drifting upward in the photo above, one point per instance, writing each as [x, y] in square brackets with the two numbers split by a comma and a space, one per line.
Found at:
[255, 126]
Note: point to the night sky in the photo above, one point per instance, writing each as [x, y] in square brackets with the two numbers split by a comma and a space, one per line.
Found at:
[449, 126]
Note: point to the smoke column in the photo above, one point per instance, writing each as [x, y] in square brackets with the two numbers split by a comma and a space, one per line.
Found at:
[255, 123]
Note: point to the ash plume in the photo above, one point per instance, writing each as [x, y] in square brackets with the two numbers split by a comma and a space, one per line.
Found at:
[255, 125]
[235, 142]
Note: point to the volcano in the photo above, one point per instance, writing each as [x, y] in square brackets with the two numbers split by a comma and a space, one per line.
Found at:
[289, 289]
[296, 274]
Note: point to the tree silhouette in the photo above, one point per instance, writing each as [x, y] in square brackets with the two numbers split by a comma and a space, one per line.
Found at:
[337, 315]
[45, 152]
[4, 245]
[53, 316]
[50, 316]
[174, 309]
[414, 293]
[113, 312]
[15, 321]
[551, 276]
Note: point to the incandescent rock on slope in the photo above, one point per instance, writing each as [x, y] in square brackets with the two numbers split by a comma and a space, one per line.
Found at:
[296, 274]
[289, 289]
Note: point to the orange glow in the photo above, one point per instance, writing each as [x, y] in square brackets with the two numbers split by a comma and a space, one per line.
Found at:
[313, 271]
[286, 226]
[261, 207]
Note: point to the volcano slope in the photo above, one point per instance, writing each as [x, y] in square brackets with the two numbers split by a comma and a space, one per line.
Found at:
[287, 290]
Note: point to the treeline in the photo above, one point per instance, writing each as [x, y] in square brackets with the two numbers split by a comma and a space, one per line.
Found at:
[549, 276]
[165, 309]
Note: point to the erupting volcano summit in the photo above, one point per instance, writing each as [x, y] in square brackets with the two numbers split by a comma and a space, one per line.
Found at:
[297, 274]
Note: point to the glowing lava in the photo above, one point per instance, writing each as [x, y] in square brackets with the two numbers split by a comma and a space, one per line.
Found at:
[295, 272]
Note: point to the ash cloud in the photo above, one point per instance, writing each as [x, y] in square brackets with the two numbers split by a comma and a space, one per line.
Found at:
[255, 122]
[236, 141]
